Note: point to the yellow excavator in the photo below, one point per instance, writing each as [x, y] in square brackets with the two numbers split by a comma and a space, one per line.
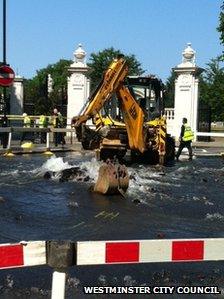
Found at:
[126, 114]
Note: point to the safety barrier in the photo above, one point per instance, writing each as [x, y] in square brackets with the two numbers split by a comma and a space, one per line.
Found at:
[63, 254]
[210, 134]
[48, 131]
[32, 117]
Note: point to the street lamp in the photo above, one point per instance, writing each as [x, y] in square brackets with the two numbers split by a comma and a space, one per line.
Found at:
[4, 54]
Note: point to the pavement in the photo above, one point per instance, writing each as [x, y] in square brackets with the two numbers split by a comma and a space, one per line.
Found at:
[41, 148]
[213, 148]
[200, 148]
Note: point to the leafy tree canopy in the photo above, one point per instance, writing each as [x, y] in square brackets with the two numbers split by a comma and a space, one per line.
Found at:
[169, 91]
[212, 88]
[221, 24]
[36, 88]
[100, 61]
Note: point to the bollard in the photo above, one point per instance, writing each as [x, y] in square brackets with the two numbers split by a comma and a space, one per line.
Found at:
[8, 152]
[60, 256]
[48, 152]
[9, 141]
[58, 285]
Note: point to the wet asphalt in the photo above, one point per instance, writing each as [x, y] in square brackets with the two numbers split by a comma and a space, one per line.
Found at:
[185, 200]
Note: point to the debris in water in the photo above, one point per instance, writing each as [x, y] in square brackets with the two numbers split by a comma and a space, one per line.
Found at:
[65, 175]
[47, 175]
[161, 173]
[136, 201]
[73, 282]
[129, 281]
[9, 282]
[18, 217]
[102, 280]
[2, 199]
[73, 204]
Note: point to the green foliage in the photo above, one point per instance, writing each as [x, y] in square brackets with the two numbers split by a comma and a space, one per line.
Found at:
[36, 88]
[221, 24]
[169, 91]
[212, 88]
[100, 61]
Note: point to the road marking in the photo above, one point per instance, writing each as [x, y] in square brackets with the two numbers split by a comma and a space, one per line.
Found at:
[79, 224]
[105, 215]
[100, 214]
[114, 216]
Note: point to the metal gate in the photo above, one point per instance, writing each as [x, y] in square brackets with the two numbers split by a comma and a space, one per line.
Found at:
[204, 121]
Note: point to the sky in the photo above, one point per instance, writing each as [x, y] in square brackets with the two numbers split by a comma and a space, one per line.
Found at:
[41, 32]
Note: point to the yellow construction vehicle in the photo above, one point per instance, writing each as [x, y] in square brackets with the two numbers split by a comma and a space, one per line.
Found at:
[127, 113]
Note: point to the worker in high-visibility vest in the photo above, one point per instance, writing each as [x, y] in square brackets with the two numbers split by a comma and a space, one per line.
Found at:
[26, 121]
[186, 137]
[57, 122]
[43, 124]
[26, 124]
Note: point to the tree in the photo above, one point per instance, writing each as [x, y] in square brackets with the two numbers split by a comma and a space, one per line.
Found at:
[212, 88]
[100, 61]
[36, 88]
[221, 24]
[169, 91]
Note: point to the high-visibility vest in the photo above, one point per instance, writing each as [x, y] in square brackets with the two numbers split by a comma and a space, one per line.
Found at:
[27, 122]
[188, 133]
[60, 119]
[42, 121]
[54, 120]
[57, 120]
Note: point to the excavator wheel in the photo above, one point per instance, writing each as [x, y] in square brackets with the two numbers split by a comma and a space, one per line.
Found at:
[170, 150]
[113, 178]
[148, 157]
[86, 144]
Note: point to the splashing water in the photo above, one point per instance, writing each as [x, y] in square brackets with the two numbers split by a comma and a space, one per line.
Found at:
[55, 164]
[91, 167]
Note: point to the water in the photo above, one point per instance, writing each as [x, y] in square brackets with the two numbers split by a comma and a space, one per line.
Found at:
[183, 201]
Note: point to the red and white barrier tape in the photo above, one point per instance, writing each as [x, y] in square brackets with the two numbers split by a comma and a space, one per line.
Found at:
[34, 253]
[149, 251]
[22, 254]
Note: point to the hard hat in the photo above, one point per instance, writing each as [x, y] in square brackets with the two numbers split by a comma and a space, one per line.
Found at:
[24, 114]
[55, 110]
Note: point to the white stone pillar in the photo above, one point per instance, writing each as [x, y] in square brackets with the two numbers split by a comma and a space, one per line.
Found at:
[186, 91]
[78, 83]
[16, 96]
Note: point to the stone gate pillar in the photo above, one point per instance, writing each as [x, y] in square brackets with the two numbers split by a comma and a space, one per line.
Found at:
[16, 96]
[78, 83]
[186, 91]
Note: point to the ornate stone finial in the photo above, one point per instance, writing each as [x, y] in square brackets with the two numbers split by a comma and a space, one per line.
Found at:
[79, 54]
[188, 55]
[49, 83]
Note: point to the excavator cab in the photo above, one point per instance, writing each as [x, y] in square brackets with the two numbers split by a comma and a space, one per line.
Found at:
[148, 92]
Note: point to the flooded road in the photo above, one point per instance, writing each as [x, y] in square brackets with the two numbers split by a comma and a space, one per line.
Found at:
[182, 201]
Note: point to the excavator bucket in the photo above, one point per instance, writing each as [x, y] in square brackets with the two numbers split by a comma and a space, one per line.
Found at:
[113, 178]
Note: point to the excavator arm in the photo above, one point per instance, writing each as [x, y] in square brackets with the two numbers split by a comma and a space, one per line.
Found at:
[113, 78]
[112, 82]
[133, 118]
